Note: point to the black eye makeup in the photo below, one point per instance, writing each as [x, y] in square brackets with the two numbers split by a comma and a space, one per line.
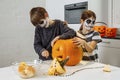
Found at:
[93, 22]
[88, 21]
[41, 22]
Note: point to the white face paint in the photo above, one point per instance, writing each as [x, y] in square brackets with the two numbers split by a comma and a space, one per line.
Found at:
[44, 23]
[89, 23]
[48, 23]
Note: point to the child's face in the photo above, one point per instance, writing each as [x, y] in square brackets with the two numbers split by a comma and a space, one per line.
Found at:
[89, 23]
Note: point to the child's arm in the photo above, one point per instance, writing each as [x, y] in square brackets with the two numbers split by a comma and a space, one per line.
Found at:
[66, 32]
[54, 40]
[81, 42]
[37, 43]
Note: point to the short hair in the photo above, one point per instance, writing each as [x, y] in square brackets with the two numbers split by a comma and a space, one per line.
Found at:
[36, 14]
[87, 14]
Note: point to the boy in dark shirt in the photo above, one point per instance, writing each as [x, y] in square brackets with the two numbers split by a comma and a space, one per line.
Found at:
[47, 32]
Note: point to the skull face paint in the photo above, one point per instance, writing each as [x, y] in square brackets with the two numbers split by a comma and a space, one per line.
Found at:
[89, 23]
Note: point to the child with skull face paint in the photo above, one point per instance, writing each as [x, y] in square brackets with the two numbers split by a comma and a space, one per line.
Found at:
[47, 32]
[87, 37]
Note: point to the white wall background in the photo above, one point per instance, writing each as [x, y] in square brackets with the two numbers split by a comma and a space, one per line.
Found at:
[116, 13]
[100, 7]
[16, 31]
[56, 9]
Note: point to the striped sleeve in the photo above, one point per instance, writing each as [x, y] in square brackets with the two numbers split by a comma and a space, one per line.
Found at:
[96, 37]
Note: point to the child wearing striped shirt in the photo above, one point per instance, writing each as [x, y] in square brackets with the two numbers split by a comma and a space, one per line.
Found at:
[87, 37]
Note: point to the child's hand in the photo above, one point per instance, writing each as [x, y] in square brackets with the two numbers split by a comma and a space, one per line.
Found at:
[78, 41]
[54, 40]
[45, 54]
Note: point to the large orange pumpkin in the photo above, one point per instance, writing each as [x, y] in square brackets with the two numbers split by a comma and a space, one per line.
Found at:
[64, 48]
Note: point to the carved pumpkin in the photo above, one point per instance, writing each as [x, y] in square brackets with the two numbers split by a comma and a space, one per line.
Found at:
[111, 32]
[101, 30]
[64, 48]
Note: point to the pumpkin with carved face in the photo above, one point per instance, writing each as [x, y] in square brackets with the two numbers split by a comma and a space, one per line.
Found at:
[111, 32]
[101, 30]
[64, 48]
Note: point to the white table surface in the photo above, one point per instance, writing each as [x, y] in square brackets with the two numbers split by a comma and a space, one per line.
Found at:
[89, 71]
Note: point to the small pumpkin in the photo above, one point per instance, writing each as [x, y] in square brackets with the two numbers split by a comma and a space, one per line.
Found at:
[101, 30]
[111, 32]
[57, 66]
[64, 48]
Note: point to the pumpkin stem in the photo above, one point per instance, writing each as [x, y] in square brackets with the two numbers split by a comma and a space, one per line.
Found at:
[63, 62]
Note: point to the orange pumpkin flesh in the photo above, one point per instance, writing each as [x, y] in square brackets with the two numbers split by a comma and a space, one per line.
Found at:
[25, 71]
[64, 48]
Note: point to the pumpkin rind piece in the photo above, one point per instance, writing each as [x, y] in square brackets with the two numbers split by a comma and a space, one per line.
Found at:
[25, 70]
[56, 68]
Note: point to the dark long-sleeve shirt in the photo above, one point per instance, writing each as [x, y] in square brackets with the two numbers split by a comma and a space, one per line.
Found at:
[44, 36]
